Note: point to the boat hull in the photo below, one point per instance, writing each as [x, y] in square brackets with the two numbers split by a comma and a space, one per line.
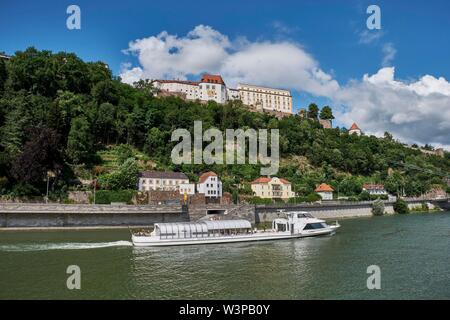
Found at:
[143, 241]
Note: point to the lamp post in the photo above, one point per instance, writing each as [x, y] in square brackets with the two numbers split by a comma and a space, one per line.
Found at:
[95, 188]
[49, 174]
[46, 195]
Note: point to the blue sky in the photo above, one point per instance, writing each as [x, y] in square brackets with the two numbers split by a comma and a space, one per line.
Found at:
[329, 32]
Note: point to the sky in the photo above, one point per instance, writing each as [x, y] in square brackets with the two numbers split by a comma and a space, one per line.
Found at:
[393, 79]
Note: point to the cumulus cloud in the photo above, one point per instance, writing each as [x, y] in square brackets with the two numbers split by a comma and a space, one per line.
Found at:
[282, 64]
[416, 111]
[413, 111]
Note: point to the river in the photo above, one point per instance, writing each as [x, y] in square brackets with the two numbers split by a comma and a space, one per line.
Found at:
[412, 251]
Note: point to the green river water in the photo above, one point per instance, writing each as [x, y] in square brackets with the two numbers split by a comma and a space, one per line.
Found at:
[412, 251]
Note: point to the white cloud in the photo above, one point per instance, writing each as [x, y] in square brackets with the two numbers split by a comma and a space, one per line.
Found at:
[417, 111]
[370, 36]
[282, 64]
[389, 53]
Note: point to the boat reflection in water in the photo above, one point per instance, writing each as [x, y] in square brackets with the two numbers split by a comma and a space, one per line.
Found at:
[297, 224]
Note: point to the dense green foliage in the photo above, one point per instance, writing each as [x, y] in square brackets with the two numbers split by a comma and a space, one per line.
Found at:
[378, 207]
[57, 114]
[107, 196]
[400, 206]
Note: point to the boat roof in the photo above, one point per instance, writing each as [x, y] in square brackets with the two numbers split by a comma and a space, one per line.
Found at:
[202, 226]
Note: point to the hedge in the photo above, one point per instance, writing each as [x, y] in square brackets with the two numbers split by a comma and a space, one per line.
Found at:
[108, 196]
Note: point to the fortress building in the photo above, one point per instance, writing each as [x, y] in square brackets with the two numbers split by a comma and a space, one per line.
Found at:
[213, 88]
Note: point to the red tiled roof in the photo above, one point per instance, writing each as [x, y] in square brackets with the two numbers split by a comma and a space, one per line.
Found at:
[212, 78]
[354, 127]
[205, 176]
[369, 186]
[324, 188]
[261, 180]
[264, 180]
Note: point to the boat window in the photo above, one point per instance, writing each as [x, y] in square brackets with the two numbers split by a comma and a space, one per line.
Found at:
[311, 226]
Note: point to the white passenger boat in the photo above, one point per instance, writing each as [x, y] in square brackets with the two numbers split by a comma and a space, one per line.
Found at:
[296, 225]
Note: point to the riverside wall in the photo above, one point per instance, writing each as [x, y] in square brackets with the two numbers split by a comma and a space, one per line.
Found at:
[33, 215]
[21, 215]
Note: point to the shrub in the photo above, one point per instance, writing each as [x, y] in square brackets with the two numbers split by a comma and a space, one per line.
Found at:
[364, 196]
[108, 196]
[378, 207]
[379, 196]
[400, 206]
[258, 200]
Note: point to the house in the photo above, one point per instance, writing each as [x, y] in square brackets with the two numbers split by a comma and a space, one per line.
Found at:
[325, 191]
[210, 185]
[164, 181]
[374, 189]
[187, 188]
[354, 129]
[272, 188]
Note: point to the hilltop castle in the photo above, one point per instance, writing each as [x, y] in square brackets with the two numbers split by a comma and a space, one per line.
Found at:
[213, 88]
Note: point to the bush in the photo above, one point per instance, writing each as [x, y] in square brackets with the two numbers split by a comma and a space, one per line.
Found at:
[379, 196]
[312, 197]
[258, 200]
[378, 207]
[107, 196]
[400, 206]
[364, 196]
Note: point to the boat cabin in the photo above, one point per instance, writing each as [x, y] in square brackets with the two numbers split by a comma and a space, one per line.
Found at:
[207, 228]
[296, 222]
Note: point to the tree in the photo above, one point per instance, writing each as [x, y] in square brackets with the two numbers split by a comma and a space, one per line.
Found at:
[364, 196]
[122, 179]
[400, 206]
[326, 113]
[313, 111]
[3, 75]
[80, 141]
[378, 207]
[123, 152]
[40, 154]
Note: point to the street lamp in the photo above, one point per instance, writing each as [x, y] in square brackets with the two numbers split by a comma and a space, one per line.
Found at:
[49, 174]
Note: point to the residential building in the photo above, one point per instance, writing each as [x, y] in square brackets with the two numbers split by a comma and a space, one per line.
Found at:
[272, 188]
[266, 99]
[213, 88]
[187, 188]
[374, 189]
[210, 185]
[354, 129]
[325, 191]
[161, 180]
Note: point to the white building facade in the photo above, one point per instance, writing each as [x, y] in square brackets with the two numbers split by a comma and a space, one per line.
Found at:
[269, 99]
[210, 185]
[272, 188]
[213, 88]
[374, 189]
[163, 181]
